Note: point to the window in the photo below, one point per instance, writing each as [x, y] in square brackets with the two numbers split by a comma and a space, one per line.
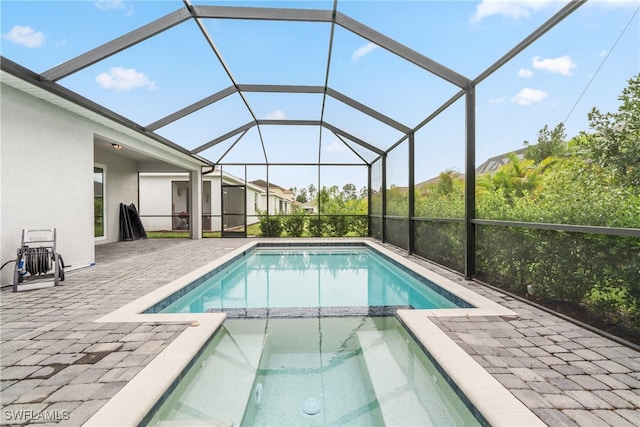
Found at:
[98, 201]
[256, 202]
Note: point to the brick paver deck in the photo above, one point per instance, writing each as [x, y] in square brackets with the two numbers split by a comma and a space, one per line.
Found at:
[58, 367]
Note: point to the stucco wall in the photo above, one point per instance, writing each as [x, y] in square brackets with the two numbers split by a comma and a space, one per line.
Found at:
[121, 187]
[47, 177]
[252, 213]
[46, 172]
[155, 199]
[157, 194]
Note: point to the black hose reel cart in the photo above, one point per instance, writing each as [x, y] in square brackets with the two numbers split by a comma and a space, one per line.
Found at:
[38, 262]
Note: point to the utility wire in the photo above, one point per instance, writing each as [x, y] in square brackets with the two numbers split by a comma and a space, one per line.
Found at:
[601, 65]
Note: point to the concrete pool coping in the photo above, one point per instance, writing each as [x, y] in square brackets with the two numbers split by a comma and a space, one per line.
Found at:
[499, 406]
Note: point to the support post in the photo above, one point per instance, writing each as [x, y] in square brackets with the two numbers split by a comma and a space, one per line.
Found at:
[369, 200]
[411, 198]
[470, 183]
[383, 159]
[195, 208]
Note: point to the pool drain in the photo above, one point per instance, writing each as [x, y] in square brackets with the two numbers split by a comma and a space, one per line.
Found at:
[311, 405]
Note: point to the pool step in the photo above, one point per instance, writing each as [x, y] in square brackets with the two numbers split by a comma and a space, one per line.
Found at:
[224, 383]
[408, 391]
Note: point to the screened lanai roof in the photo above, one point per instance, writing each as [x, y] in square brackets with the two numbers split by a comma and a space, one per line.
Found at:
[310, 82]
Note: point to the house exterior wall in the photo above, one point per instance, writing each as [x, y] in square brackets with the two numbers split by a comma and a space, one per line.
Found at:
[254, 197]
[121, 187]
[278, 205]
[155, 211]
[46, 159]
[157, 196]
[156, 199]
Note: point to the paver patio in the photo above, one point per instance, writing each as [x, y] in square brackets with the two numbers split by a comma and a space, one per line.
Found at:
[58, 367]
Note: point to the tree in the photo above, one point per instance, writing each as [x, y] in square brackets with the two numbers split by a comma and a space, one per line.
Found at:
[445, 182]
[311, 192]
[302, 196]
[615, 142]
[551, 143]
[364, 193]
[516, 178]
[349, 192]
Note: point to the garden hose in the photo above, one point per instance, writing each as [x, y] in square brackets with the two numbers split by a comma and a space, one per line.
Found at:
[37, 260]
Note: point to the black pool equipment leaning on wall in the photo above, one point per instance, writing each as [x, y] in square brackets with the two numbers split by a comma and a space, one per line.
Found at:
[38, 261]
[131, 227]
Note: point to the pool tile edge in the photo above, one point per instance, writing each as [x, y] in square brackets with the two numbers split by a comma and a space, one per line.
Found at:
[132, 312]
[499, 406]
[482, 306]
[148, 386]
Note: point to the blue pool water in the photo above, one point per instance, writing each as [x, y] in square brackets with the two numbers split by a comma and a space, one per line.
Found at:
[309, 277]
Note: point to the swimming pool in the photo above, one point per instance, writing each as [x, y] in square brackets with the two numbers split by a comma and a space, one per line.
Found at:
[138, 400]
[323, 371]
[339, 280]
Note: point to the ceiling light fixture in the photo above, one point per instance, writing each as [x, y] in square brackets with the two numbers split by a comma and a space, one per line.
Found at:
[116, 146]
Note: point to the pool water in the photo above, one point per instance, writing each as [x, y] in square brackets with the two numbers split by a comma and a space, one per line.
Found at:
[268, 278]
[352, 371]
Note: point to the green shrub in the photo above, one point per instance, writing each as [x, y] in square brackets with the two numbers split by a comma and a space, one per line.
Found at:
[337, 225]
[270, 225]
[359, 225]
[317, 225]
[294, 222]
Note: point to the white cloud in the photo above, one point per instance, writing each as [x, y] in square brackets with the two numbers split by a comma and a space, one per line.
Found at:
[335, 147]
[276, 115]
[124, 79]
[529, 96]
[106, 5]
[515, 9]
[24, 36]
[560, 65]
[362, 51]
[603, 53]
[524, 73]
[497, 100]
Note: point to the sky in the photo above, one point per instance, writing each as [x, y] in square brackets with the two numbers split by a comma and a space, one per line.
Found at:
[582, 63]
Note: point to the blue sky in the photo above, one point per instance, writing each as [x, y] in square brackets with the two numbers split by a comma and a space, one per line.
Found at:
[582, 63]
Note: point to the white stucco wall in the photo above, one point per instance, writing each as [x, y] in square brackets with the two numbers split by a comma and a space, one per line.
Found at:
[155, 199]
[252, 213]
[47, 156]
[47, 177]
[216, 207]
[121, 187]
[157, 195]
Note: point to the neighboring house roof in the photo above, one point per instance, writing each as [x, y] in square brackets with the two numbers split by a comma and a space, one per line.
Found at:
[435, 179]
[275, 189]
[494, 163]
[262, 183]
[490, 165]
